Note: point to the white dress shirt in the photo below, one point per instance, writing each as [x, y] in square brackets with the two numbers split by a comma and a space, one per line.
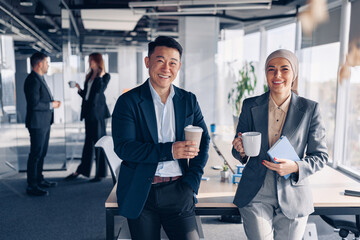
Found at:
[89, 84]
[165, 119]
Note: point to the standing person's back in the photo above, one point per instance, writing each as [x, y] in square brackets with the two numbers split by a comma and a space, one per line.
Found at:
[39, 117]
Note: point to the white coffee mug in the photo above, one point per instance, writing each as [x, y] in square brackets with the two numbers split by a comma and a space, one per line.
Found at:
[72, 84]
[252, 143]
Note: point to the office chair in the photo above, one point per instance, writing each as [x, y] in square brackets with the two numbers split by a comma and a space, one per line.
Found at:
[345, 224]
[107, 144]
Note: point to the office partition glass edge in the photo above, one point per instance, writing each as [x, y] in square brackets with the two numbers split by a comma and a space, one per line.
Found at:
[340, 122]
[73, 70]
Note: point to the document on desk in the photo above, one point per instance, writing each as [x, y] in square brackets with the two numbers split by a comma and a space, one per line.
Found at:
[282, 148]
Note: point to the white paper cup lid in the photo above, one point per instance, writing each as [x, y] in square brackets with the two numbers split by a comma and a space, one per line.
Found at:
[192, 128]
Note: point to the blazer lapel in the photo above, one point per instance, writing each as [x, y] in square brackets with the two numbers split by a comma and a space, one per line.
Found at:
[180, 114]
[147, 107]
[293, 117]
[260, 116]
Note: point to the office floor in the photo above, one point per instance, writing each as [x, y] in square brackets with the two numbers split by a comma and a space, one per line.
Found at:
[75, 210]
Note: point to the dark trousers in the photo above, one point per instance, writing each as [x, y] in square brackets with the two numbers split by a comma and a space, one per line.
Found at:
[39, 141]
[170, 205]
[94, 130]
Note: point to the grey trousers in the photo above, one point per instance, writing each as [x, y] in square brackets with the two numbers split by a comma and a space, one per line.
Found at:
[263, 219]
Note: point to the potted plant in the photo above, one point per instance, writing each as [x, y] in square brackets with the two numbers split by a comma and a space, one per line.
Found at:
[243, 86]
[225, 173]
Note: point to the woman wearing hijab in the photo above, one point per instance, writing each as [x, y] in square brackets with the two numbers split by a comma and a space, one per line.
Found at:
[271, 206]
[94, 110]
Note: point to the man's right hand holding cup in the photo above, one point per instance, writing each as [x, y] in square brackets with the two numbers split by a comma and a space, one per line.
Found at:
[185, 149]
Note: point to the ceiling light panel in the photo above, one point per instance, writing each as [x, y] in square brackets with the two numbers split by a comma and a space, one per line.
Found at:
[196, 6]
[109, 19]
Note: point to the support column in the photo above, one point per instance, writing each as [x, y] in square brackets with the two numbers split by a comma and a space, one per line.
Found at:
[342, 99]
[199, 38]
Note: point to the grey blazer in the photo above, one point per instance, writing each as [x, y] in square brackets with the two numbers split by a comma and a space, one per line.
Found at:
[305, 131]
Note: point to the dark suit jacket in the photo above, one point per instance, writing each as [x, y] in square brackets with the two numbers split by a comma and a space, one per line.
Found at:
[135, 137]
[305, 131]
[38, 99]
[95, 107]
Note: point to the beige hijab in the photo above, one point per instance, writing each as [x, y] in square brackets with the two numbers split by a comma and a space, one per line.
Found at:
[291, 57]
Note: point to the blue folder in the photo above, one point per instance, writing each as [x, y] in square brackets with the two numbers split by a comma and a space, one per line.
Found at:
[282, 148]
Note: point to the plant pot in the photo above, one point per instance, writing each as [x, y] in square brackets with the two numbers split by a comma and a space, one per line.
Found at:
[225, 174]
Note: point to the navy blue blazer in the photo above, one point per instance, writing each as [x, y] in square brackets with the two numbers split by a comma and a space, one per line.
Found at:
[306, 132]
[38, 99]
[134, 132]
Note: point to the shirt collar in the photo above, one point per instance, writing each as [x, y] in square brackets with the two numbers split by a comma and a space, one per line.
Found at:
[284, 107]
[156, 96]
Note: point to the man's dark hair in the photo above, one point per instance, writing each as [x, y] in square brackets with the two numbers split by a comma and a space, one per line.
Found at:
[166, 42]
[36, 58]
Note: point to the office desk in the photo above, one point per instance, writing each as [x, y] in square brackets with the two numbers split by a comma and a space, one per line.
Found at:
[327, 186]
[216, 197]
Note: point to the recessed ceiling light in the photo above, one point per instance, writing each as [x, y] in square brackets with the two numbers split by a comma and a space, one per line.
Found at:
[26, 3]
[128, 38]
[39, 11]
[52, 30]
[133, 34]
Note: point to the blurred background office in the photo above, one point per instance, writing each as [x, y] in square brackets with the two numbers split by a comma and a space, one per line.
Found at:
[218, 38]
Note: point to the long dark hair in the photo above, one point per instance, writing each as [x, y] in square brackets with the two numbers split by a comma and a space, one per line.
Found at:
[97, 58]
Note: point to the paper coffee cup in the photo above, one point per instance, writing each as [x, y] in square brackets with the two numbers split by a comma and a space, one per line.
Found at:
[193, 133]
[252, 143]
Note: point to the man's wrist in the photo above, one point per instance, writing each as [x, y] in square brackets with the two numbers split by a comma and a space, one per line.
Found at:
[172, 151]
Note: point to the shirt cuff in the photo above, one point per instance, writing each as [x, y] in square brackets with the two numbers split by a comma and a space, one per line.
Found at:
[51, 106]
[172, 154]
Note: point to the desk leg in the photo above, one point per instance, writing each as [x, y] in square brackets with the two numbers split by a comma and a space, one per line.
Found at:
[109, 225]
[199, 226]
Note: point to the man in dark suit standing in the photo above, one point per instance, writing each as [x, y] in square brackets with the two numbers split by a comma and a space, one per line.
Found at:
[39, 117]
[156, 183]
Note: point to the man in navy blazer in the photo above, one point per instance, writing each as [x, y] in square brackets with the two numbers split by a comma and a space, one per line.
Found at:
[39, 117]
[156, 182]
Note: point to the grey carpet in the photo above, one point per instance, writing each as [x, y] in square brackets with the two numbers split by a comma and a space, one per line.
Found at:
[73, 210]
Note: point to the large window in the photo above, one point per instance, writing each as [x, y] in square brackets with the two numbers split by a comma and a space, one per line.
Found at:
[251, 49]
[317, 81]
[281, 38]
[352, 139]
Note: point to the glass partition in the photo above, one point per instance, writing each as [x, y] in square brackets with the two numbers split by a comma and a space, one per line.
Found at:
[8, 125]
[352, 140]
[317, 81]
